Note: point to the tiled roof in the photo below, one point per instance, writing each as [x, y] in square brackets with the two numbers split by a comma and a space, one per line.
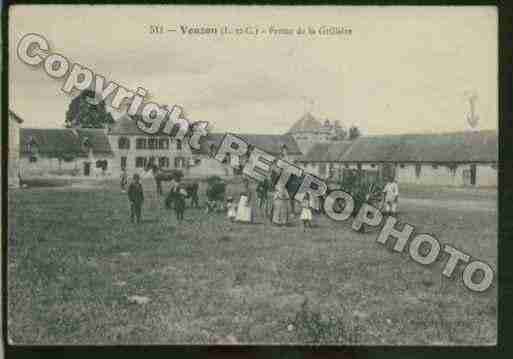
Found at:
[477, 146]
[52, 142]
[269, 143]
[326, 152]
[55, 142]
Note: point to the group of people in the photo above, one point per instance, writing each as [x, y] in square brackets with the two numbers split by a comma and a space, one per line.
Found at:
[278, 207]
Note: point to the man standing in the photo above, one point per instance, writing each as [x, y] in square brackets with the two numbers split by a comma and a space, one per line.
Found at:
[136, 198]
[391, 192]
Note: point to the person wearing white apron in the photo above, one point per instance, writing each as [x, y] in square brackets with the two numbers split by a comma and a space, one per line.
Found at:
[244, 211]
[391, 192]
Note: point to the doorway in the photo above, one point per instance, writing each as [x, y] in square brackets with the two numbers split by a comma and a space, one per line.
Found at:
[87, 168]
[473, 174]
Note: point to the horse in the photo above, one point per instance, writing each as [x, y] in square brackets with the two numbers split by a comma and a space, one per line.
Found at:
[161, 175]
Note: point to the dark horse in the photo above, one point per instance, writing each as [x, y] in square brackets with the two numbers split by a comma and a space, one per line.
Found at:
[161, 175]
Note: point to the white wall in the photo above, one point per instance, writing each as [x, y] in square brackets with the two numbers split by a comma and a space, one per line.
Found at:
[210, 167]
[443, 176]
[171, 153]
[486, 176]
[45, 166]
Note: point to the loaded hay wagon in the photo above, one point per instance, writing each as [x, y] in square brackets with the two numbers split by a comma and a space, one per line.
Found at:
[365, 186]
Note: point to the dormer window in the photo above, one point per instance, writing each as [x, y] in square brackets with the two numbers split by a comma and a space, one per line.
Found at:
[124, 143]
[86, 143]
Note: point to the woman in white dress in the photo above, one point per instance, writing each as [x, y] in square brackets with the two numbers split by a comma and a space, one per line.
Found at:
[244, 210]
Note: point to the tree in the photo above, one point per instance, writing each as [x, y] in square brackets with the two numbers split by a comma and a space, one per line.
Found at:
[84, 113]
[354, 133]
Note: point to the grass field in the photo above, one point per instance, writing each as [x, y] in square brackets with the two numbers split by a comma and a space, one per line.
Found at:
[74, 259]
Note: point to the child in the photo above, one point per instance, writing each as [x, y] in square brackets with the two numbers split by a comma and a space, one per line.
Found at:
[124, 180]
[232, 209]
[306, 212]
[179, 201]
[391, 192]
[136, 198]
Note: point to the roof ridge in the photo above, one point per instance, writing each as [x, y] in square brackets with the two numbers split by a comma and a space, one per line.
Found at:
[428, 133]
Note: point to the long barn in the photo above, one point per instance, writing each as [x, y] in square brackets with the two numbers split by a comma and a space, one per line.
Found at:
[447, 159]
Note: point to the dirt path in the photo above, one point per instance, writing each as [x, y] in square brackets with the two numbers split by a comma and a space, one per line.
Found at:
[458, 205]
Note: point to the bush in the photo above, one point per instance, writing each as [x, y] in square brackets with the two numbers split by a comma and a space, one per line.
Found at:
[216, 188]
[312, 328]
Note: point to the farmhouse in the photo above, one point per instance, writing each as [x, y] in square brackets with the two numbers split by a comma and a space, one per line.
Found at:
[14, 149]
[64, 152]
[449, 159]
[134, 150]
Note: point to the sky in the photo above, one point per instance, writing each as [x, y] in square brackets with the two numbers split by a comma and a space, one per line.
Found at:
[402, 69]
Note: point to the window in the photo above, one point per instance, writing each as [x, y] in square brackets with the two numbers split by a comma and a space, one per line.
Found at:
[331, 170]
[373, 165]
[494, 166]
[123, 162]
[140, 143]
[163, 143]
[178, 145]
[179, 162]
[124, 143]
[418, 168]
[359, 166]
[102, 164]
[435, 166]
[150, 161]
[140, 162]
[402, 165]
[163, 162]
[152, 143]
[322, 169]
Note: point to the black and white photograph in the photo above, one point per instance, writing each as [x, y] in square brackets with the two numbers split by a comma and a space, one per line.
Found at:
[252, 175]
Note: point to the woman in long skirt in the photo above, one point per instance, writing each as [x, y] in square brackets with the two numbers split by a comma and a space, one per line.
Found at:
[244, 210]
[281, 207]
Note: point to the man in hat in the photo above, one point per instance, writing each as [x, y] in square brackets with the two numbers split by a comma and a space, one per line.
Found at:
[136, 198]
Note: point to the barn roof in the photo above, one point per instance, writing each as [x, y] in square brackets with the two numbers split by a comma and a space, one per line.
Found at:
[326, 152]
[55, 142]
[126, 125]
[268, 143]
[476, 146]
[51, 142]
